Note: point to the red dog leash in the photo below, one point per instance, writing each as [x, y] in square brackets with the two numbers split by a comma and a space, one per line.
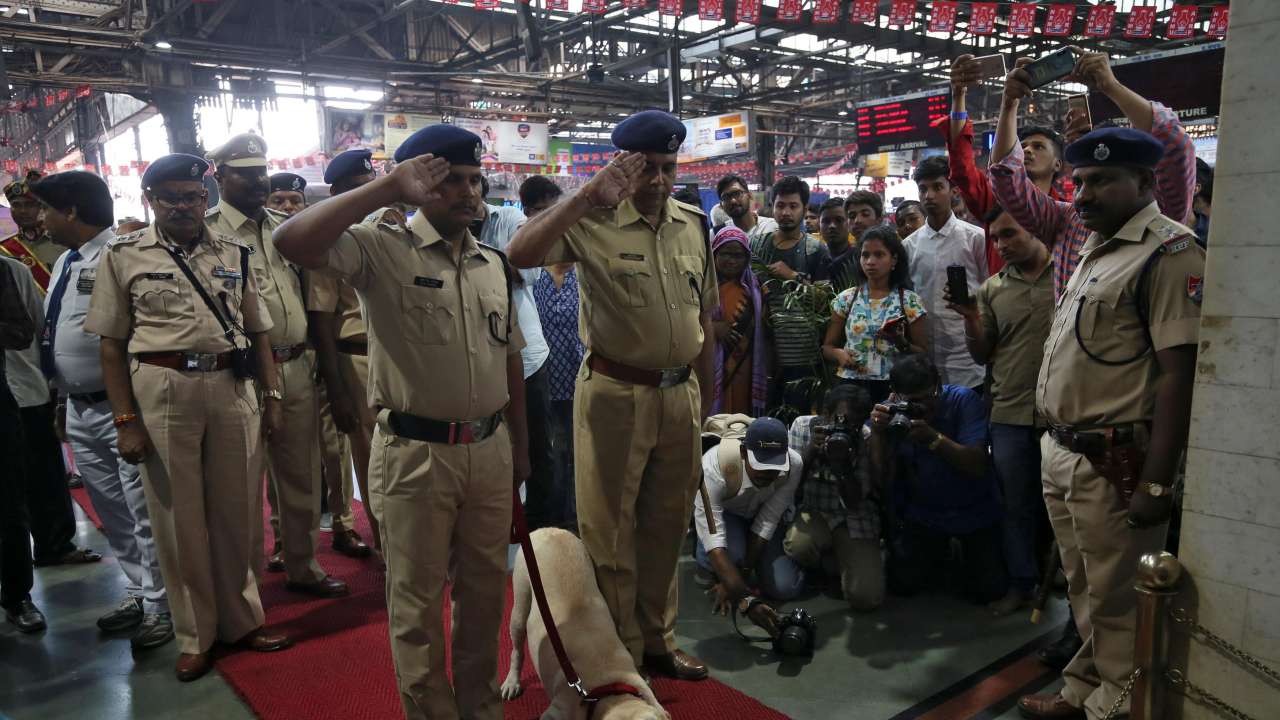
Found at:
[520, 534]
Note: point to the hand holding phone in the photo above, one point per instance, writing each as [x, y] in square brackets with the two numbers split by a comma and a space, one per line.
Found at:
[1054, 66]
[1079, 121]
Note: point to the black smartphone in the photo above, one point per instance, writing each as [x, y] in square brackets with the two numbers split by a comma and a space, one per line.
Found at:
[957, 285]
[1054, 66]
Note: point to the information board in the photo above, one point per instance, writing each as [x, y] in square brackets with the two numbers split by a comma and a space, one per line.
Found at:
[716, 136]
[901, 123]
[1187, 80]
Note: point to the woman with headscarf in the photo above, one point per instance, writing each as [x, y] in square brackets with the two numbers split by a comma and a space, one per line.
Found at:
[741, 384]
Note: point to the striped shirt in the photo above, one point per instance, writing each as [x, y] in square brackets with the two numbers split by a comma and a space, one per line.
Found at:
[1058, 223]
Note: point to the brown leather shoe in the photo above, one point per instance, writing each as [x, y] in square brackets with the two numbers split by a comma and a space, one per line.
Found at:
[276, 563]
[1048, 707]
[326, 587]
[261, 640]
[677, 664]
[193, 667]
[348, 543]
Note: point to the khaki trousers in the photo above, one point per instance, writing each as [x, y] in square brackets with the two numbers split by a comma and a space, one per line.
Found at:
[335, 464]
[355, 374]
[861, 562]
[446, 513]
[204, 497]
[293, 472]
[1100, 555]
[637, 454]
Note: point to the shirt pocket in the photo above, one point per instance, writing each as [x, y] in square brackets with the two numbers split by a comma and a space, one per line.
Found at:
[689, 283]
[428, 320]
[1099, 310]
[631, 282]
[168, 299]
[496, 313]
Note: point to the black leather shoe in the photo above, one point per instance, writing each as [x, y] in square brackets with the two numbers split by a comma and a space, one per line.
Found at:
[348, 543]
[326, 587]
[26, 616]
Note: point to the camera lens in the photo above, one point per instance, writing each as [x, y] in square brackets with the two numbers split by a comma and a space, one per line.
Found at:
[794, 641]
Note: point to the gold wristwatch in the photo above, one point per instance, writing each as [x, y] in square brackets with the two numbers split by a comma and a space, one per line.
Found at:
[1155, 490]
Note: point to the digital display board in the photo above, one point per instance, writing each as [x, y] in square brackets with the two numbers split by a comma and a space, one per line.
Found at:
[715, 136]
[901, 123]
[1187, 80]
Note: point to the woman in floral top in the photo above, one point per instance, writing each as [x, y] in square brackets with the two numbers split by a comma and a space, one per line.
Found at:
[880, 318]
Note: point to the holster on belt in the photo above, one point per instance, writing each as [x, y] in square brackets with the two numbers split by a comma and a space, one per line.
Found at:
[1121, 464]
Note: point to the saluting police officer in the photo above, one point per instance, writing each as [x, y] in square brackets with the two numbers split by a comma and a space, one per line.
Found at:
[176, 369]
[342, 349]
[444, 373]
[1115, 387]
[648, 290]
[293, 456]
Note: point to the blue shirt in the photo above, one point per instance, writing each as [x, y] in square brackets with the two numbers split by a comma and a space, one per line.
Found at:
[558, 308]
[931, 492]
[499, 228]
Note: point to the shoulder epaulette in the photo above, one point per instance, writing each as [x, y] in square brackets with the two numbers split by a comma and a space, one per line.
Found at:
[1175, 236]
[690, 208]
[212, 211]
[132, 237]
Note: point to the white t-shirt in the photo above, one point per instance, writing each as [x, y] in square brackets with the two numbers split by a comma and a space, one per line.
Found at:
[957, 243]
[764, 226]
[765, 505]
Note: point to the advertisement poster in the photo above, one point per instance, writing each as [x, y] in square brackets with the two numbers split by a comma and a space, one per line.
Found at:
[560, 154]
[509, 142]
[716, 136]
[397, 127]
[347, 129]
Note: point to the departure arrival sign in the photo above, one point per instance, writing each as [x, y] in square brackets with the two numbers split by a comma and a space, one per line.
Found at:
[901, 123]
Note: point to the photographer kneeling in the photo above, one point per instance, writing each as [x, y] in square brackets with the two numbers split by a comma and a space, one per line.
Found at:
[750, 485]
[838, 511]
[929, 451]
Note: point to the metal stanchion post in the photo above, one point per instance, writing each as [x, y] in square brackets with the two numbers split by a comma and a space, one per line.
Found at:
[1158, 576]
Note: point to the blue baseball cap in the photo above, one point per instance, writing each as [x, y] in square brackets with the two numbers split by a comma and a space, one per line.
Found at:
[766, 444]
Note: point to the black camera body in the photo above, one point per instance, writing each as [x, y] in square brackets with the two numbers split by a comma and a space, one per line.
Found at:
[838, 439]
[797, 632]
[901, 413]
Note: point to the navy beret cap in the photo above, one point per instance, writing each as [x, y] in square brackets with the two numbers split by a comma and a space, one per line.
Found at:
[458, 146]
[177, 166]
[1115, 146]
[348, 164]
[649, 131]
[288, 181]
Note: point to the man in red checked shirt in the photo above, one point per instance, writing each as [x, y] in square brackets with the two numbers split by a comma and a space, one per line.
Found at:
[1056, 222]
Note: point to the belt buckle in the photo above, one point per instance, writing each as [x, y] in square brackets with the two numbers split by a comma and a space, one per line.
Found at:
[670, 378]
[202, 362]
[461, 433]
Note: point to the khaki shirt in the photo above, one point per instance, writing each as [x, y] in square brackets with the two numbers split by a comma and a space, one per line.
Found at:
[279, 280]
[1075, 390]
[436, 326]
[1016, 314]
[643, 289]
[141, 295]
[326, 293]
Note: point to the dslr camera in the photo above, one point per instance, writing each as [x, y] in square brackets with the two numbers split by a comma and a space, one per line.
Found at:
[834, 439]
[797, 631]
[901, 413]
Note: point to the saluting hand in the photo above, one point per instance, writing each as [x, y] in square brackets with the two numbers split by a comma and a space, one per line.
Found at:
[418, 178]
[615, 182]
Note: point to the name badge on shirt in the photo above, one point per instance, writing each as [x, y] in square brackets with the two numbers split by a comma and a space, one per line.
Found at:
[159, 276]
[427, 282]
[632, 256]
[84, 281]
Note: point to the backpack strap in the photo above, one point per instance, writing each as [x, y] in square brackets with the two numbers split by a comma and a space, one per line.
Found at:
[729, 456]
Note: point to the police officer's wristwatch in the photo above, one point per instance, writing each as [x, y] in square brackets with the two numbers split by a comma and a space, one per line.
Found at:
[273, 394]
[1156, 490]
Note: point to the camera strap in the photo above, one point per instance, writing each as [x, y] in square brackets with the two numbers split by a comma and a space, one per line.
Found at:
[752, 602]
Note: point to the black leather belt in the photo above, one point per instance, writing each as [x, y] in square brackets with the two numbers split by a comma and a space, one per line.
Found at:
[286, 353]
[1093, 441]
[439, 431]
[187, 361]
[92, 398]
[353, 347]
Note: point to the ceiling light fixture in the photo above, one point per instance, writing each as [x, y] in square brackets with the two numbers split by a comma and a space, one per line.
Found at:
[477, 81]
[164, 45]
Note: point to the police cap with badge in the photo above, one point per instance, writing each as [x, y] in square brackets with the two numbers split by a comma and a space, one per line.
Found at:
[649, 131]
[178, 166]
[288, 182]
[1115, 146]
[458, 146]
[349, 163]
[245, 150]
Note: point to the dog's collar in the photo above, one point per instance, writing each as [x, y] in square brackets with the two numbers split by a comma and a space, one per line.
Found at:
[594, 697]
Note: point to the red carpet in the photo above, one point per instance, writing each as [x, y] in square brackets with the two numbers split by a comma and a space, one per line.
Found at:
[341, 666]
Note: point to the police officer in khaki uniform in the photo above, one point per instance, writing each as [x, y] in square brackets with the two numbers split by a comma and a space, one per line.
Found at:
[1115, 387]
[175, 373]
[293, 456]
[342, 347]
[444, 361]
[648, 290]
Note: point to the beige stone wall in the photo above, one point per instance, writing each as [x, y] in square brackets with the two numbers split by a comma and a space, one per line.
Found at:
[1231, 522]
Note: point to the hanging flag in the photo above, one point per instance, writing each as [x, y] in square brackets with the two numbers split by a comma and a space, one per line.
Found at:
[64, 95]
[1218, 20]
[106, 171]
[50, 167]
[124, 170]
[634, 4]
[1182, 22]
[1142, 21]
[84, 91]
[487, 4]
[902, 12]
[864, 11]
[11, 166]
[557, 4]
[1061, 20]
[942, 18]
[671, 7]
[595, 7]
[711, 9]
[748, 11]
[1102, 18]
[982, 18]
[1022, 18]
[789, 10]
[91, 168]
[826, 11]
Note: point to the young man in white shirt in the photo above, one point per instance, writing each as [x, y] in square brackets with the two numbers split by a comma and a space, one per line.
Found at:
[750, 484]
[942, 241]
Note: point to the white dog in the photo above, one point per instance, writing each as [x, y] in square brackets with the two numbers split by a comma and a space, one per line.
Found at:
[586, 629]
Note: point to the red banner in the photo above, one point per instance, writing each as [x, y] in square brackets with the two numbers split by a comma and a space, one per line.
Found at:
[84, 91]
[64, 95]
[982, 18]
[826, 11]
[635, 4]
[1182, 22]
[902, 12]
[789, 10]
[749, 11]
[487, 4]
[11, 166]
[1218, 20]
[595, 7]
[671, 7]
[557, 4]
[1022, 18]
[1102, 18]
[1060, 20]
[1142, 22]
[711, 9]
[942, 18]
[863, 11]
[106, 171]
